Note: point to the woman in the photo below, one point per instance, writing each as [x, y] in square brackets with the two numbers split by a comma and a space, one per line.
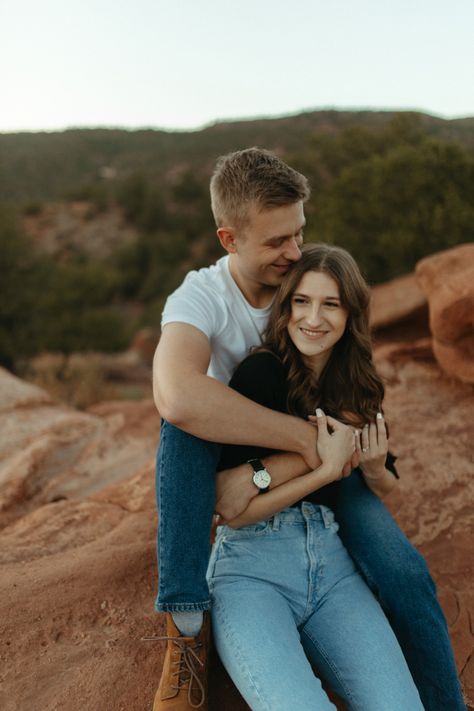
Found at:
[286, 594]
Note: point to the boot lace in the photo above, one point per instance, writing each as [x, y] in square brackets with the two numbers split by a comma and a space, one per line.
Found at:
[186, 667]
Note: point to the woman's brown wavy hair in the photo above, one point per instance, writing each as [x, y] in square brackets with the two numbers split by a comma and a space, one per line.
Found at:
[349, 387]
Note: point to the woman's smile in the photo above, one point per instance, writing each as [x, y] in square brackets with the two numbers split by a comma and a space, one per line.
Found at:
[313, 333]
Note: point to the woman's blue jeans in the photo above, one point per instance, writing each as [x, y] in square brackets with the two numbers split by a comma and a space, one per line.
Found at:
[286, 595]
[392, 567]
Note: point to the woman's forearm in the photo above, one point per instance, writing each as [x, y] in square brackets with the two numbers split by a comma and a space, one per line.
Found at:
[235, 487]
[279, 497]
[383, 485]
[285, 466]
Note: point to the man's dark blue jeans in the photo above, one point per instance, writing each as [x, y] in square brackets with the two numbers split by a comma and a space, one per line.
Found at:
[392, 567]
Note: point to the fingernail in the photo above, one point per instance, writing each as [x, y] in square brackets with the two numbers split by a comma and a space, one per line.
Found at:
[319, 412]
[379, 416]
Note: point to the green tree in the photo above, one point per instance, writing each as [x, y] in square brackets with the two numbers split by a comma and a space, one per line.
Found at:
[394, 208]
[23, 276]
[49, 306]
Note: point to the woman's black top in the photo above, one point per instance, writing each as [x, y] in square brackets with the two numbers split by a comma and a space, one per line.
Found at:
[262, 377]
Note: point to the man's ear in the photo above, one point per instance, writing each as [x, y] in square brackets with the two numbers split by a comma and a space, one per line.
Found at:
[227, 239]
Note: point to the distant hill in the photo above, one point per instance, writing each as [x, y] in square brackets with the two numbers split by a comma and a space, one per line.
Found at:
[48, 166]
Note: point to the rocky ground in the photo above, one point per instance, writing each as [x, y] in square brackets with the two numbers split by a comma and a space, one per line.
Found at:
[78, 531]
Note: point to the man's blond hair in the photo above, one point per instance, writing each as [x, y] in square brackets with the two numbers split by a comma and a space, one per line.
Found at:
[253, 176]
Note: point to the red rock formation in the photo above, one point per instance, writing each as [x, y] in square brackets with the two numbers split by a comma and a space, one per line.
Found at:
[49, 451]
[395, 301]
[447, 278]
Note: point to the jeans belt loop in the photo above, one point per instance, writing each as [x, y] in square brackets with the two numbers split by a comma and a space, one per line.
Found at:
[328, 517]
[306, 512]
[276, 522]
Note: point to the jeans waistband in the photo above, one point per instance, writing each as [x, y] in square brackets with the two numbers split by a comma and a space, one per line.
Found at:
[302, 512]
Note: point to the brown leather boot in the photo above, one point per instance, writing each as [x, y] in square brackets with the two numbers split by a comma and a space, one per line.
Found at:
[183, 683]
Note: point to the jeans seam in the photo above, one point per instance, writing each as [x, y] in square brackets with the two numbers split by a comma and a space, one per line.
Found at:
[331, 665]
[219, 610]
[368, 577]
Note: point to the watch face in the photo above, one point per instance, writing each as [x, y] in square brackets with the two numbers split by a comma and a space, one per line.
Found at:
[262, 479]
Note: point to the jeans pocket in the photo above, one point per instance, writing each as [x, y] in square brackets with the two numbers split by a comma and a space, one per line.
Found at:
[213, 560]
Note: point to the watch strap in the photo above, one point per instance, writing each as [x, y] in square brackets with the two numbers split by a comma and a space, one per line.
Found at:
[256, 464]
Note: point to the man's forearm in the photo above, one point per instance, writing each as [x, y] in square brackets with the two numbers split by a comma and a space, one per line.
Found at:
[210, 410]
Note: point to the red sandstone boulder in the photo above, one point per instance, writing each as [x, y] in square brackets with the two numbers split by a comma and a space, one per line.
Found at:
[50, 452]
[447, 278]
[395, 301]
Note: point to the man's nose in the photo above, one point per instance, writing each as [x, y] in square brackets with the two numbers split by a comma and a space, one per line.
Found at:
[292, 250]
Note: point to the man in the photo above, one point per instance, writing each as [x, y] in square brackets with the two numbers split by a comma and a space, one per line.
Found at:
[209, 325]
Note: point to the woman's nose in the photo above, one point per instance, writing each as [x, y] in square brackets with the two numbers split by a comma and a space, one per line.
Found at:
[315, 315]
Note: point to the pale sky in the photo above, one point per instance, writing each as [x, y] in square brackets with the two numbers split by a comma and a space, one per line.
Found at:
[186, 63]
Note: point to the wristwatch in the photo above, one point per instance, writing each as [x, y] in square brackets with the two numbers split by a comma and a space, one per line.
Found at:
[261, 477]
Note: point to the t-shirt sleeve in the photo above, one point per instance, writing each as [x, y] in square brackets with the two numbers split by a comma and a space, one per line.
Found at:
[262, 378]
[197, 305]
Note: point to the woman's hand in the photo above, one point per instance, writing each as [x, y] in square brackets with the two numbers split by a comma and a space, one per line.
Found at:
[335, 448]
[372, 448]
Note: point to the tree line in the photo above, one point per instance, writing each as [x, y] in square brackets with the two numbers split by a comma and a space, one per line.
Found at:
[390, 194]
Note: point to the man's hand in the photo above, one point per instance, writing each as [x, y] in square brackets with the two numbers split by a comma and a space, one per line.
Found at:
[234, 491]
[335, 447]
[352, 463]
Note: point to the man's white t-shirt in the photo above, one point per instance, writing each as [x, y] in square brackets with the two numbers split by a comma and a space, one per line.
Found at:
[210, 300]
